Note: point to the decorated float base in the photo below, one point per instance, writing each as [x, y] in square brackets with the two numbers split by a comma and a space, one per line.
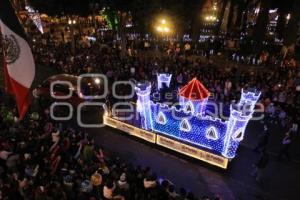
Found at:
[168, 142]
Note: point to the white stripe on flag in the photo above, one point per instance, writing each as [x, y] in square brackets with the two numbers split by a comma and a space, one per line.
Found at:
[23, 69]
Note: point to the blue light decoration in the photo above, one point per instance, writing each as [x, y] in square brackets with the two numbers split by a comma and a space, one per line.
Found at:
[163, 79]
[161, 118]
[143, 91]
[212, 133]
[190, 124]
[185, 125]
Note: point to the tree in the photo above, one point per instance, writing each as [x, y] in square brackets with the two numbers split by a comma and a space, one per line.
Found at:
[284, 7]
[290, 37]
[230, 16]
[121, 7]
[281, 22]
[111, 18]
[143, 12]
[221, 16]
[262, 21]
[194, 8]
[242, 7]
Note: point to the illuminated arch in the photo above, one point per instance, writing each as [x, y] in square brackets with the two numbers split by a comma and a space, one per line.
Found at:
[189, 107]
[238, 135]
[212, 133]
[185, 125]
[161, 118]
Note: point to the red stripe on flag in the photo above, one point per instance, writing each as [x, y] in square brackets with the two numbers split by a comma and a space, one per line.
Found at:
[22, 95]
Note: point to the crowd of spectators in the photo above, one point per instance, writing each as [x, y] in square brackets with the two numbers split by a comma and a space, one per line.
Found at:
[279, 84]
[41, 159]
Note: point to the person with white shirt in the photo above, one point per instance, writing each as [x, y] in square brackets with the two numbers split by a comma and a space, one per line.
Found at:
[122, 182]
[150, 182]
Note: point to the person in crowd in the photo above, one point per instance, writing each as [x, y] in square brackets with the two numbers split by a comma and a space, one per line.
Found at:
[285, 146]
[263, 139]
[260, 165]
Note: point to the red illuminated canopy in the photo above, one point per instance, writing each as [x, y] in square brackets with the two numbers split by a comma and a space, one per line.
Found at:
[194, 90]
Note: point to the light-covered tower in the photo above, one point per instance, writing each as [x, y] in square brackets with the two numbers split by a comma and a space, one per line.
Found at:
[163, 79]
[193, 97]
[240, 114]
[143, 91]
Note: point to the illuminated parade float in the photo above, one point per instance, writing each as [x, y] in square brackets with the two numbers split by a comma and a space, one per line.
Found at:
[185, 126]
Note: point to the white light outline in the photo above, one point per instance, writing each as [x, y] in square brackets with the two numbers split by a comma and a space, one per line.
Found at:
[161, 114]
[144, 101]
[209, 129]
[190, 104]
[187, 123]
[240, 130]
[160, 80]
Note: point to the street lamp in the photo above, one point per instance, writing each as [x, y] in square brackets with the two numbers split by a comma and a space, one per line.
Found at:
[72, 24]
[210, 18]
[163, 26]
[159, 29]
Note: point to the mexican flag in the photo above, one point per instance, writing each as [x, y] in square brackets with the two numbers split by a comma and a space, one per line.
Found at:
[19, 67]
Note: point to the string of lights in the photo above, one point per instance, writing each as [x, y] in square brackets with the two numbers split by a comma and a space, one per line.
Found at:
[190, 123]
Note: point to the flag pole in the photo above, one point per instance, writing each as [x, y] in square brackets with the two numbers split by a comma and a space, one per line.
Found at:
[2, 56]
[2, 52]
